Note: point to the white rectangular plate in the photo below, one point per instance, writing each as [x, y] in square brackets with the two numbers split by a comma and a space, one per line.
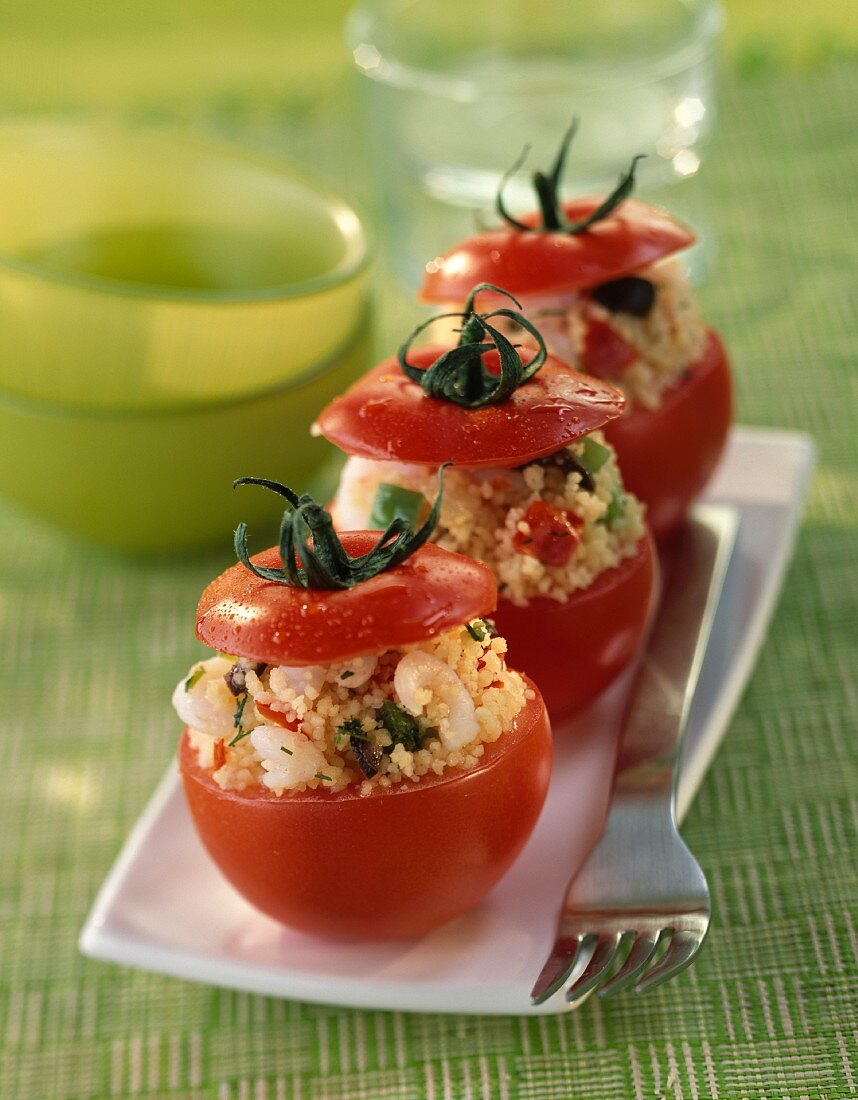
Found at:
[165, 907]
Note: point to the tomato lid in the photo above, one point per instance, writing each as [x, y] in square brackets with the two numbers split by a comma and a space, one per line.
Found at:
[549, 261]
[432, 591]
[386, 416]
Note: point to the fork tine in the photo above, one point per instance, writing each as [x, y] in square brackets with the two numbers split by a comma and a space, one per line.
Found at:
[603, 955]
[637, 960]
[683, 947]
[564, 957]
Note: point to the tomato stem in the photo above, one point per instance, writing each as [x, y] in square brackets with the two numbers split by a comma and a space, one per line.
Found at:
[460, 374]
[311, 552]
[547, 187]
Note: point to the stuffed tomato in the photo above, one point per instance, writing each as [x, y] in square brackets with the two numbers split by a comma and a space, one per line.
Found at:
[358, 758]
[601, 279]
[534, 492]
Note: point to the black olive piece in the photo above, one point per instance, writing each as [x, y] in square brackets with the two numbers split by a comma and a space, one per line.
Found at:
[568, 463]
[368, 755]
[236, 678]
[628, 295]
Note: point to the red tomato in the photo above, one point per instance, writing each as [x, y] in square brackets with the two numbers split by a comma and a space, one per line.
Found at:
[395, 864]
[385, 416]
[668, 454]
[575, 649]
[634, 235]
[552, 537]
[430, 592]
[606, 354]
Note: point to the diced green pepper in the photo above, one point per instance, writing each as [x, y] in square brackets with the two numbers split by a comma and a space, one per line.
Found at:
[594, 456]
[392, 502]
[616, 508]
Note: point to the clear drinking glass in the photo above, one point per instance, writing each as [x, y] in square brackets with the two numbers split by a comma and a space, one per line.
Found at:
[454, 92]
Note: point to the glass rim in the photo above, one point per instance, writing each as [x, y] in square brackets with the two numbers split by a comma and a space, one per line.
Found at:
[358, 241]
[385, 68]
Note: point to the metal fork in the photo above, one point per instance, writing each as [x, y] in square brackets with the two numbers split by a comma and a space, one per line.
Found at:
[641, 887]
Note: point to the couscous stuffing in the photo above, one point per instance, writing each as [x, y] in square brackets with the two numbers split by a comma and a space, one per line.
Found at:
[371, 722]
[545, 529]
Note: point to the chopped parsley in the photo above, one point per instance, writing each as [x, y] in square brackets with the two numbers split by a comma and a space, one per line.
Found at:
[287, 751]
[321, 775]
[347, 675]
[476, 630]
[350, 728]
[402, 726]
[239, 711]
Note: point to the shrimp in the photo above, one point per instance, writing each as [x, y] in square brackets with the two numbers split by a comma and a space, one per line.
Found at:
[205, 703]
[425, 684]
[355, 672]
[289, 758]
[359, 480]
[302, 680]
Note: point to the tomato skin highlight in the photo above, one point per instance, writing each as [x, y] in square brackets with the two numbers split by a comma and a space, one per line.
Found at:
[573, 650]
[635, 235]
[667, 454]
[385, 416]
[392, 865]
[430, 592]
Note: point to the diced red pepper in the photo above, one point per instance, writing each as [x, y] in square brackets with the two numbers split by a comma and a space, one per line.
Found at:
[552, 537]
[278, 717]
[606, 354]
[219, 754]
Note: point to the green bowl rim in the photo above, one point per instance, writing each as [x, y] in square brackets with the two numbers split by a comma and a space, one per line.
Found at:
[24, 405]
[359, 240]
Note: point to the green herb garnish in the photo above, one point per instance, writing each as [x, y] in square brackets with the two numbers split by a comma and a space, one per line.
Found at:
[459, 374]
[547, 187]
[403, 727]
[195, 677]
[239, 711]
[350, 728]
[321, 775]
[347, 675]
[236, 721]
[287, 751]
[476, 630]
[311, 551]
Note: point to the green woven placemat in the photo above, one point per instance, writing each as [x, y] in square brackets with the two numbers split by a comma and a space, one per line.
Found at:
[93, 647]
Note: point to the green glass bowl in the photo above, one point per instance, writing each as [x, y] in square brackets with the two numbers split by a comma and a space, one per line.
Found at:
[161, 481]
[146, 268]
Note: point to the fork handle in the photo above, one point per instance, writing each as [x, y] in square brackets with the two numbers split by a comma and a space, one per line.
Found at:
[660, 699]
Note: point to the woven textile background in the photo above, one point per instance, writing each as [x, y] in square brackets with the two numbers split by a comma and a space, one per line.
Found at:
[92, 648]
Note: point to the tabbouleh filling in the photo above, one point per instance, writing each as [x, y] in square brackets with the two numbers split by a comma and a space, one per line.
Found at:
[546, 529]
[370, 722]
